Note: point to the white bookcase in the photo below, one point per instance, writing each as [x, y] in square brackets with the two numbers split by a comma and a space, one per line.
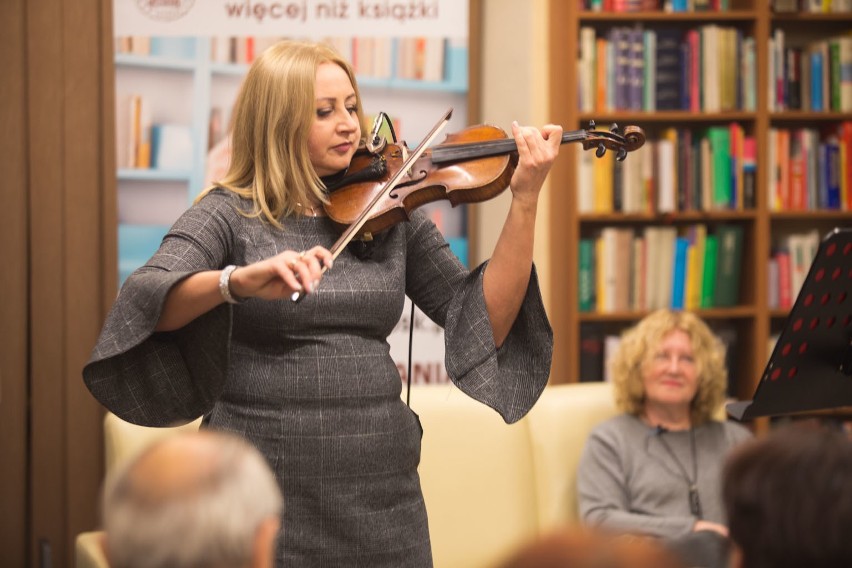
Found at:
[181, 84]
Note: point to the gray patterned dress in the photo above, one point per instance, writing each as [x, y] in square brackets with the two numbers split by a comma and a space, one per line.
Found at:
[312, 385]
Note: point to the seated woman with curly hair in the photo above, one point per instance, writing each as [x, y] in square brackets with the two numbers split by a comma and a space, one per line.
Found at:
[655, 469]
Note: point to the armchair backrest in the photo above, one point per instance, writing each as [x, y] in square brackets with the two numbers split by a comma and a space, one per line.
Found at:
[122, 440]
[559, 425]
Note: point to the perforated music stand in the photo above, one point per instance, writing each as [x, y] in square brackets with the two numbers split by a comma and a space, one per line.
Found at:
[811, 365]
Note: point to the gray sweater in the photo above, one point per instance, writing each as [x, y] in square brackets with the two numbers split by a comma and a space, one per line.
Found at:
[628, 482]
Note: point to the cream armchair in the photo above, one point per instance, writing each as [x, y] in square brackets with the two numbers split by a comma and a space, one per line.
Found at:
[488, 486]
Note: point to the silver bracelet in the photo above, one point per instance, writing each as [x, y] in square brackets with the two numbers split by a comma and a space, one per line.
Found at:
[225, 285]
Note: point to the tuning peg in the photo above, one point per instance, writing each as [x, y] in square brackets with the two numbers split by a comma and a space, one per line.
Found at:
[591, 124]
[622, 153]
[614, 128]
[601, 150]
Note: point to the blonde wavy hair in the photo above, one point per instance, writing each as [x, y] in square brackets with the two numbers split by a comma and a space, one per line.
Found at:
[637, 348]
[272, 120]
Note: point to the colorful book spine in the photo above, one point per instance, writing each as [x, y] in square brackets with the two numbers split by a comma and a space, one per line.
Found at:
[679, 273]
[728, 264]
[708, 283]
[586, 275]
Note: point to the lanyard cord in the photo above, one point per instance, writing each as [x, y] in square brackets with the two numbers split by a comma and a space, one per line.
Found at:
[694, 499]
[410, 352]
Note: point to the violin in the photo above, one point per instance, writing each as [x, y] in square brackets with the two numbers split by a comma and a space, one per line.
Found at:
[470, 166]
[385, 182]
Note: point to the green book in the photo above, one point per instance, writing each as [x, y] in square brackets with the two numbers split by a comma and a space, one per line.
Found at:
[728, 265]
[708, 275]
[834, 76]
[586, 275]
[720, 149]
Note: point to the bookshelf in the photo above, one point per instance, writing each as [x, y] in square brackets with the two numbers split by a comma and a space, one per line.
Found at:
[181, 79]
[751, 321]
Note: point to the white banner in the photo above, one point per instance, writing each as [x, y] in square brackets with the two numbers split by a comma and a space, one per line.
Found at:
[291, 18]
[428, 350]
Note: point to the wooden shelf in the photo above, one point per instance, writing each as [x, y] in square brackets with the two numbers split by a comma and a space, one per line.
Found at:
[665, 218]
[753, 320]
[827, 215]
[656, 16]
[739, 312]
[668, 118]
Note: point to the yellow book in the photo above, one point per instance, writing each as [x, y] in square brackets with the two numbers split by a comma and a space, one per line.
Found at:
[602, 176]
[695, 267]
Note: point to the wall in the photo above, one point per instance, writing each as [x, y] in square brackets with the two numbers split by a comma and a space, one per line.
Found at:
[57, 228]
[13, 283]
[514, 86]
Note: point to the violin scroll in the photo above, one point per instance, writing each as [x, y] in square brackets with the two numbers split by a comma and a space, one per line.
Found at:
[632, 139]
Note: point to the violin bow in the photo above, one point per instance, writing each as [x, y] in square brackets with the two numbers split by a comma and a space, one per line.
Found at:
[356, 225]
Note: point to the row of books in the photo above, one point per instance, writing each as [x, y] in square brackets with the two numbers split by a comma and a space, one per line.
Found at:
[141, 144]
[789, 264]
[815, 77]
[660, 267]
[655, 5]
[778, 6]
[239, 50]
[710, 68]
[598, 344]
[415, 58]
[175, 47]
[812, 6]
[705, 169]
[810, 169]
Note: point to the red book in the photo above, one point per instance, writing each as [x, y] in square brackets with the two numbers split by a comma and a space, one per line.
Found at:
[785, 301]
[846, 138]
[249, 49]
[693, 39]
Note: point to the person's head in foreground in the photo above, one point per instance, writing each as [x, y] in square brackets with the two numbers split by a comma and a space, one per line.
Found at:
[202, 499]
[789, 500]
[576, 547]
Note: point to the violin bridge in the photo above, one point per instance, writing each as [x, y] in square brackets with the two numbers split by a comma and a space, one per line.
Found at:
[405, 154]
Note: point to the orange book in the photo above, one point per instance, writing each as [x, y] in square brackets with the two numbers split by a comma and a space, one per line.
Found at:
[600, 75]
[250, 49]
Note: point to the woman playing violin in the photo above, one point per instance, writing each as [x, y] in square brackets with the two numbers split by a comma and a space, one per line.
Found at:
[207, 326]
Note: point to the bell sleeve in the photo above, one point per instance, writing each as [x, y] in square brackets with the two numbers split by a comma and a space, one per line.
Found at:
[162, 378]
[509, 379]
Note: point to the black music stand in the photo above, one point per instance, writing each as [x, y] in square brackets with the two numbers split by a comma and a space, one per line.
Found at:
[811, 365]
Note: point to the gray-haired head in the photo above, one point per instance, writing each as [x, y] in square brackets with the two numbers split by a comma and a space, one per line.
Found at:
[194, 500]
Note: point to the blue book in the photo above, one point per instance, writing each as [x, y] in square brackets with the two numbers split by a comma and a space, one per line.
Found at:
[684, 76]
[816, 81]
[623, 67]
[679, 273]
[669, 69]
[832, 174]
[637, 67]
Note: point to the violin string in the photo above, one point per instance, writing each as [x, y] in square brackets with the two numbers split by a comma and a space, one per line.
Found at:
[485, 148]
